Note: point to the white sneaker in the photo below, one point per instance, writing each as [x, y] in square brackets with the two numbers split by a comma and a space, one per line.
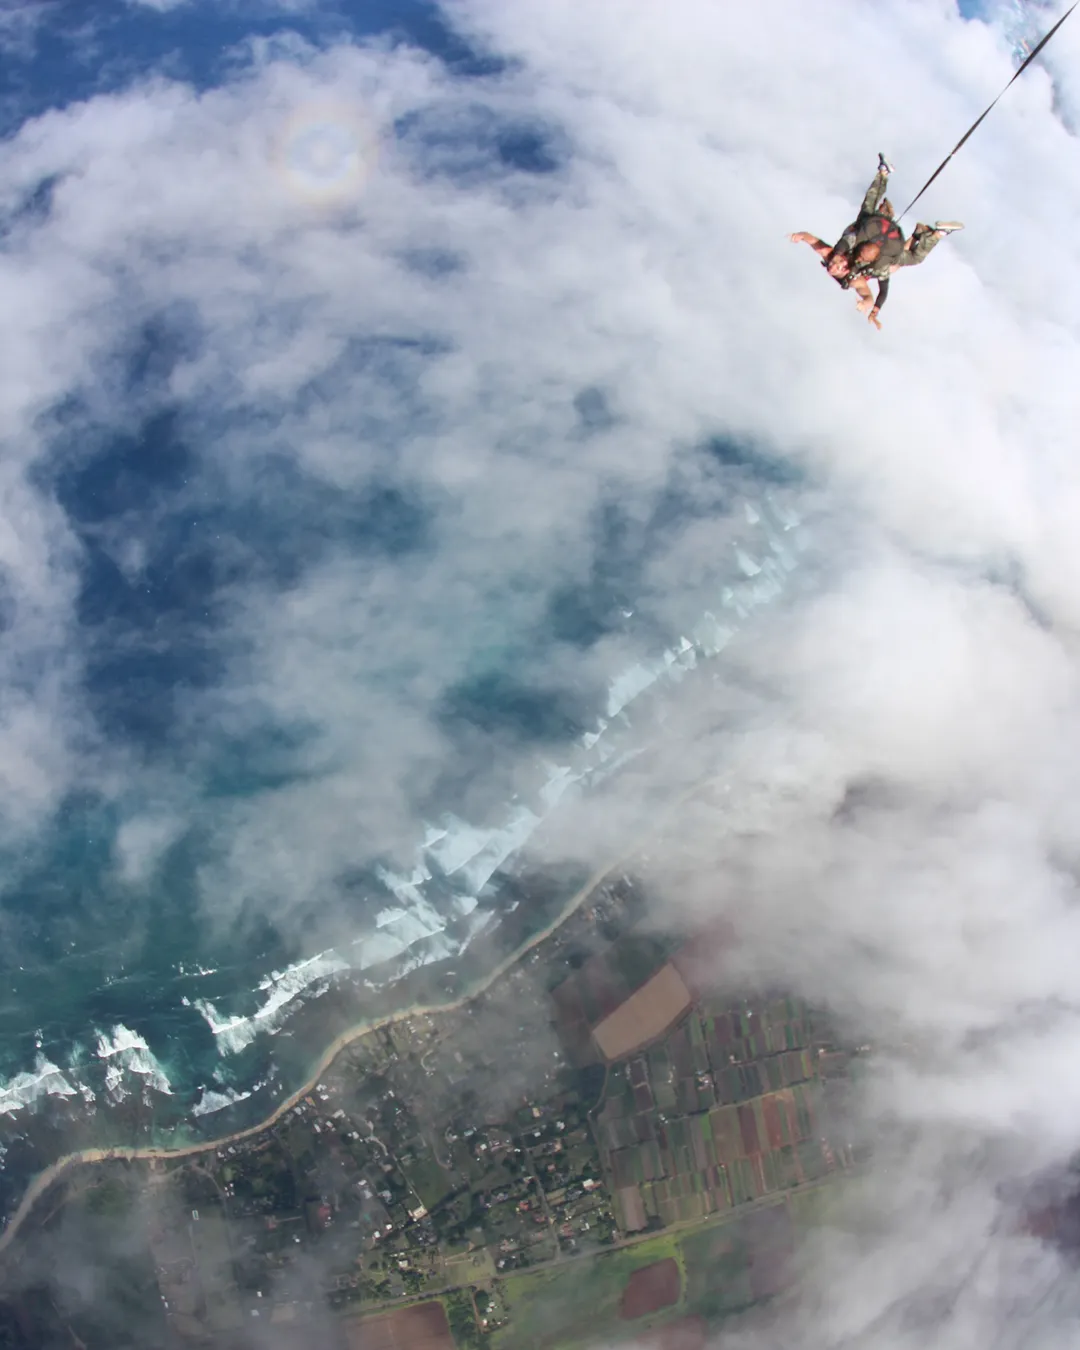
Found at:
[947, 226]
[883, 165]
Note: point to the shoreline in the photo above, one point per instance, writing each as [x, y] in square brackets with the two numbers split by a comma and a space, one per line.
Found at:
[150, 1152]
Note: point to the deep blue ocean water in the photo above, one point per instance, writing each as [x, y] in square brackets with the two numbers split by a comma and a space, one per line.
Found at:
[86, 951]
[82, 953]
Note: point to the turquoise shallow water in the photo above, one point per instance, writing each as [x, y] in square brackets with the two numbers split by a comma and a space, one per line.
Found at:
[171, 877]
[135, 969]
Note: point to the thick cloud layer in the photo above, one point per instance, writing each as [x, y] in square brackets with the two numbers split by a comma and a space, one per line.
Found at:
[298, 441]
[309, 454]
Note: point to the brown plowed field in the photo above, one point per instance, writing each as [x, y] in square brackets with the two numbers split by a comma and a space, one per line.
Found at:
[650, 1289]
[648, 1013]
[421, 1327]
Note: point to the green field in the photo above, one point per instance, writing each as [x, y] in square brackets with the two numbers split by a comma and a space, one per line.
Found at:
[462, 1320]
[813, 1207]
[431, 1182]
[573, 1303]
[717, 1274]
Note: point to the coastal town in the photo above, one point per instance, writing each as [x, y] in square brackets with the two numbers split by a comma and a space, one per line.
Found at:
[603, 1142]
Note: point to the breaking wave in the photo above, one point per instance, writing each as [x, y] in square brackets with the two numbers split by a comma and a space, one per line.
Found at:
[129, 1062]
[232, 1034]
[212, 1101]
[431, 910]
[46, 1079]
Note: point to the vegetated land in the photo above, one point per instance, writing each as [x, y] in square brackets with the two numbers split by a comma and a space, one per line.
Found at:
[676, 1280]
[575, 1303]
[488, 1176]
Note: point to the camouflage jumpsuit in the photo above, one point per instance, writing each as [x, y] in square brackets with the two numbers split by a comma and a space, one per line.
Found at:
[917, 249]
[923, 237]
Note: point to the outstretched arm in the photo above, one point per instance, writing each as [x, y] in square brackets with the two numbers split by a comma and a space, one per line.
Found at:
[866, 300]
[820, 247]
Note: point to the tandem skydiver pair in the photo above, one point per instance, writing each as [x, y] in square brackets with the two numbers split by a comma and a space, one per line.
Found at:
[873, 247]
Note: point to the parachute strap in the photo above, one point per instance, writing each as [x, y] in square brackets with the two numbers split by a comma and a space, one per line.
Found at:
[879, 228]
[876, 228]
[1027, 62]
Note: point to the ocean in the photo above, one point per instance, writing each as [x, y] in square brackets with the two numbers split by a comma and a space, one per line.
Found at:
[120, 982]
[310, 684]
[119, 989]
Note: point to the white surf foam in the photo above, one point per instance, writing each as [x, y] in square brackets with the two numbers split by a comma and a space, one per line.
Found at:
[456, 859]
[24, 1089]
[281, 987]
[501, 843]
[212, 1101]
[126, 1052]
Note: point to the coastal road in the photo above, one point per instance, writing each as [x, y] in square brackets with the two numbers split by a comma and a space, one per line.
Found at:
[140, 1153]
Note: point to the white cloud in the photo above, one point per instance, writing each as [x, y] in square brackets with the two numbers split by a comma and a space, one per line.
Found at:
[19, 25]
[141, 843]
[430, 332]
[249, 9]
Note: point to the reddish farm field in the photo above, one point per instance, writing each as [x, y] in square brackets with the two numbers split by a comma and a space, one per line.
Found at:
[770, 1114]
[421, 1327]
[650, 1289]
[748, 1128]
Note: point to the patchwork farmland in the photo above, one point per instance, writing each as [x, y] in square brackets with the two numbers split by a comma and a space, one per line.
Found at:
[722, 1111]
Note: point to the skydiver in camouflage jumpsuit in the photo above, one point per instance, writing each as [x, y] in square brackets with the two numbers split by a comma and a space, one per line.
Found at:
[855, 259]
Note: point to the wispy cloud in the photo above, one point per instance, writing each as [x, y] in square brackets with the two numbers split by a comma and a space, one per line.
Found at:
[20, 22]
[329, 386]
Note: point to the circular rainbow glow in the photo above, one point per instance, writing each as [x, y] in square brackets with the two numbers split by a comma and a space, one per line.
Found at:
[326, 153]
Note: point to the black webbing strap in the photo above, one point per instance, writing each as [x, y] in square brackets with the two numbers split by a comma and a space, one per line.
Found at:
[1027, 62]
